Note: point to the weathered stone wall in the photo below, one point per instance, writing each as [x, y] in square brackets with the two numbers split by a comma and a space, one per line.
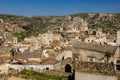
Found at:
[103, 68]
[87, 76]
[62, 64]
[97, 69]
[85, 53]
[118, 38]
[39, 68]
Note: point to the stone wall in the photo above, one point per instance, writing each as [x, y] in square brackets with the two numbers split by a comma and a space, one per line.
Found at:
[103, 68]
[39, 68]
[62, 64]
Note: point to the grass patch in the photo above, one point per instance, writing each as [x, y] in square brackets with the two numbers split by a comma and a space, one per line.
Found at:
[38, 76]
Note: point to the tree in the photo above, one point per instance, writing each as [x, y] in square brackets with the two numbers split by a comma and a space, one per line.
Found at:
[108, 55]
[21, 35]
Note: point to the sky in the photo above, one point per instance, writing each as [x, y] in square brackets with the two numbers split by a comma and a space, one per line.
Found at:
[58, 7]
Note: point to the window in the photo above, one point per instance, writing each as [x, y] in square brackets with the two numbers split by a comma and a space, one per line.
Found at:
[47, 68]
[90, 60]
[118, 67]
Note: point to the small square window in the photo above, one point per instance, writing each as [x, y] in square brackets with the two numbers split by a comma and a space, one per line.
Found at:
[47, 68]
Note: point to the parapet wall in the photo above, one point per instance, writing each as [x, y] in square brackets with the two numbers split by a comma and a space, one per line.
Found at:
[88, 76]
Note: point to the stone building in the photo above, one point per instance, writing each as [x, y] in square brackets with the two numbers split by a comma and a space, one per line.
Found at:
[1, 21]
[23, 46]
[93, 52]
[15, 40]
[117, 53]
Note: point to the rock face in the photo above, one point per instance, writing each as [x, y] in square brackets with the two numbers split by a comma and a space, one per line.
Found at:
[75, 24]
[108, 22]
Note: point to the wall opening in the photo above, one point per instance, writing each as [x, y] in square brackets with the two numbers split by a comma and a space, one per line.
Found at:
[47, 68]
[118, 67]
[68, 68]
[62, 58]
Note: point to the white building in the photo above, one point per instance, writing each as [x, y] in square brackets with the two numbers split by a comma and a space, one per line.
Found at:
[38, 67]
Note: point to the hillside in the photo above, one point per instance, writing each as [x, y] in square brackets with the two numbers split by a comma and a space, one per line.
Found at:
[108, 22]
[40, 24]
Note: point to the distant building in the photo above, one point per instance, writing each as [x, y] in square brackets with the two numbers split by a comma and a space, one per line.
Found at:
[1, 20]
[15, 40]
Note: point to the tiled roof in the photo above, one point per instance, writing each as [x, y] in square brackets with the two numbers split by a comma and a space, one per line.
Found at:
[95, 47]
[49, 61]
[27, 55]
[4, 49]
[3, 59]
[33, 63]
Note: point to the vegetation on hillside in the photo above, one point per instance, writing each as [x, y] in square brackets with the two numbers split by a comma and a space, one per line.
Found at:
[110, 23]
[21, 35]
